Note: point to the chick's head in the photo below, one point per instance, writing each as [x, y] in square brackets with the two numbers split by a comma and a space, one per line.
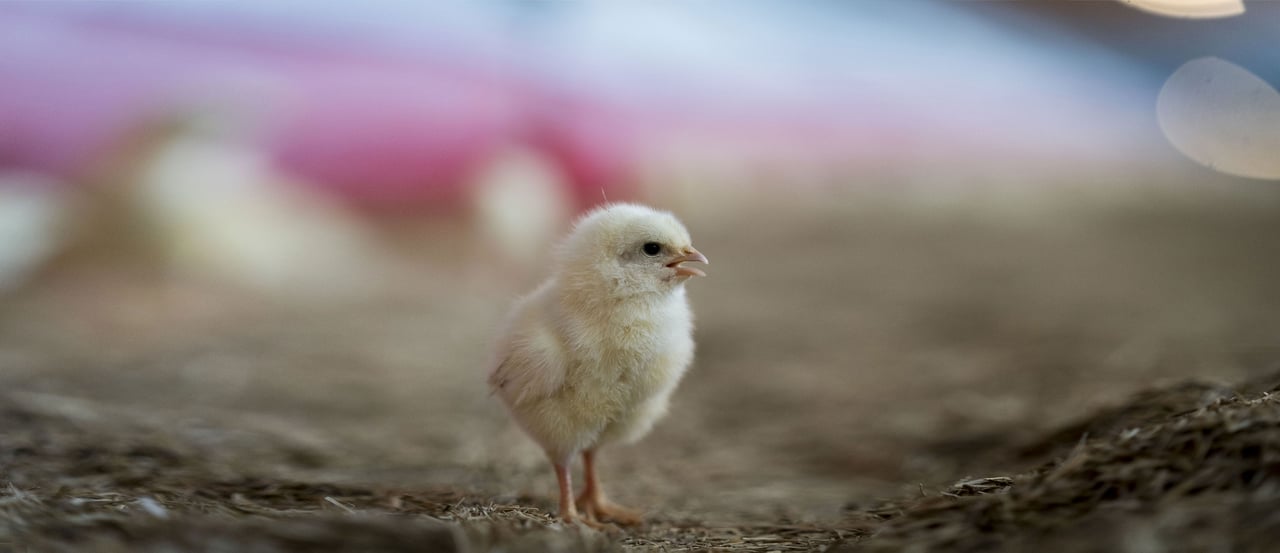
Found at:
[627, 250]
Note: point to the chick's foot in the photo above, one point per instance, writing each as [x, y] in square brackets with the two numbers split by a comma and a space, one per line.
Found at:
[595, 506]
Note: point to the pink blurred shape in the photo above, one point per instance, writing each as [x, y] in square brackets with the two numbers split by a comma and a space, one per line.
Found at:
[382, 128]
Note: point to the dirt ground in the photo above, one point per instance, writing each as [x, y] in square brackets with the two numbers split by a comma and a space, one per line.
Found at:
[872, 375]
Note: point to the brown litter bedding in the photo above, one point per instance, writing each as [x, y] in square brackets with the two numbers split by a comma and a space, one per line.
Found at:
[1198, 480]
[102, 484]
[1203, 479]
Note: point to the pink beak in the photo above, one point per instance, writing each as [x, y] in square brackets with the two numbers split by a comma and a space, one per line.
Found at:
[690, 256]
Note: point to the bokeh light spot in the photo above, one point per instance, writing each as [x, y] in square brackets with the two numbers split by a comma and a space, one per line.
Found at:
[1199, 9]
[1221, 115]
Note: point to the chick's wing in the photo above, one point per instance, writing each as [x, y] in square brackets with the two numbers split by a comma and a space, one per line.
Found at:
[531, 362]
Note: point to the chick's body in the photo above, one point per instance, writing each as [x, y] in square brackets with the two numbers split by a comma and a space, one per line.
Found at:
[593, 355]
[582, 377]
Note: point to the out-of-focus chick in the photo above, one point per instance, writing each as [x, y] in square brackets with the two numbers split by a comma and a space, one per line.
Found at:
[592, 356]
[219, 209]
[31, 215]
[521, 203]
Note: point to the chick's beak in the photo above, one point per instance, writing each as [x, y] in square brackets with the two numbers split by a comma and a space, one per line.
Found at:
[690, 256]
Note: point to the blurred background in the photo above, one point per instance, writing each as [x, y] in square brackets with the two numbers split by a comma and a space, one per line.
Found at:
[285, 231]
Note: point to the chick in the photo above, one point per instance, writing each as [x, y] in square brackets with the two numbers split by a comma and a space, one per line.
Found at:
[592, 356]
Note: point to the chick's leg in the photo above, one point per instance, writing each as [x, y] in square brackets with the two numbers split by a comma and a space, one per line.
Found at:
[568, 509]
[593, 502]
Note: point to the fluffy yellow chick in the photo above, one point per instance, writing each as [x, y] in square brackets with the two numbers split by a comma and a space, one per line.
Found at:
[592, 356]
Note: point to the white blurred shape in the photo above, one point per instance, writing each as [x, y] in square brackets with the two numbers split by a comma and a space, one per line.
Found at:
[695, 177]
[153, 507]
[219, 209]
[1221, 115]
[1198, 9]
[30, 220]
[521, 203]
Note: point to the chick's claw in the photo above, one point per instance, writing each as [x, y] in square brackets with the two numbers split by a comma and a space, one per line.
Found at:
[603, 509]
[580, 520]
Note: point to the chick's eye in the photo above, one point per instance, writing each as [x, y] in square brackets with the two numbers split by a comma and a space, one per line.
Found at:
[651, 248]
